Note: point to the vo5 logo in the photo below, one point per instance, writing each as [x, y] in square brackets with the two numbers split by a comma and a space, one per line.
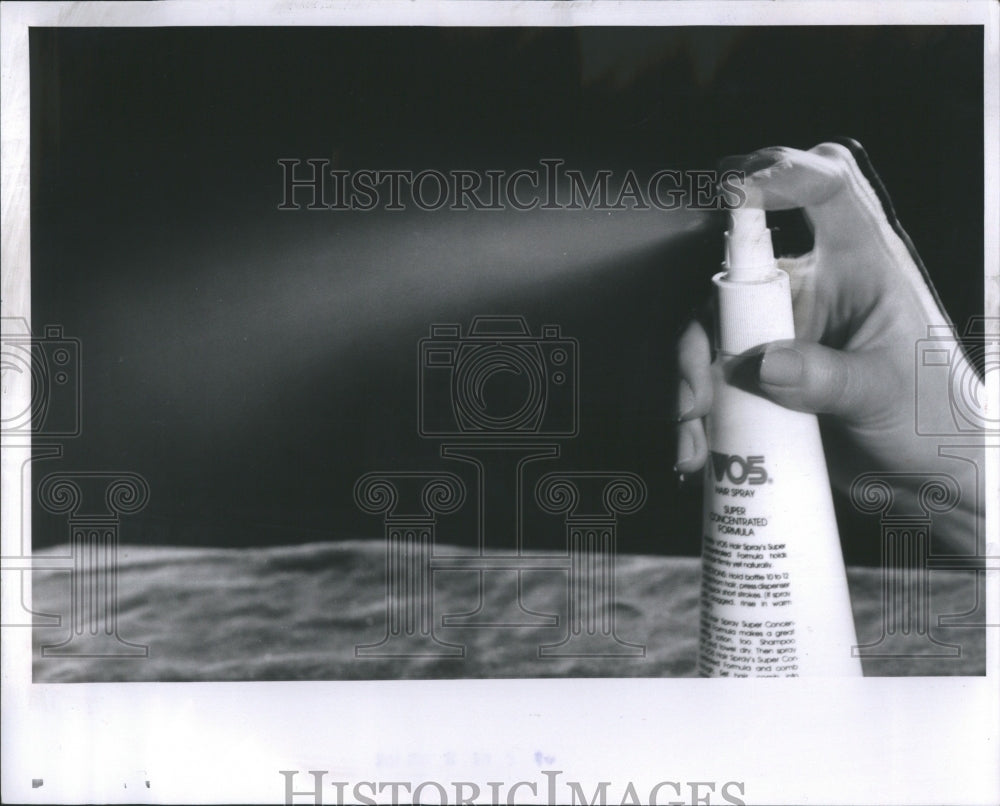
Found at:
[738, 469]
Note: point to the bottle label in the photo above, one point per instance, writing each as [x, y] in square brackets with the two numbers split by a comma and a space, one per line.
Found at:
[747, 629]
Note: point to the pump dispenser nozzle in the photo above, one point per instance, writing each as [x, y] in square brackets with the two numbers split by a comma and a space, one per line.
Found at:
[755, 304]
[749, 253]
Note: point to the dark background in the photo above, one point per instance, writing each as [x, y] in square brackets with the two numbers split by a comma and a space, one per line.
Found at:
[253, 363]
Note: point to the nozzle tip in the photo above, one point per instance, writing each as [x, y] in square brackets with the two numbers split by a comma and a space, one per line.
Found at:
[748, 220]
[749, 254]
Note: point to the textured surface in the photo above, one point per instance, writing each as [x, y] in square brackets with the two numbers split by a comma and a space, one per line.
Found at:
[297, 613]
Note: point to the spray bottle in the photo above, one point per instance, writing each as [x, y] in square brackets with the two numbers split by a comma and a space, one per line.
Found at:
[774, 597]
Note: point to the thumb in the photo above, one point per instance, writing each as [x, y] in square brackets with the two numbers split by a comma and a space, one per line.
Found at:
[806, 376]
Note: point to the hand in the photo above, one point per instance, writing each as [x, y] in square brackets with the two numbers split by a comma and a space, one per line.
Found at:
[861, 305]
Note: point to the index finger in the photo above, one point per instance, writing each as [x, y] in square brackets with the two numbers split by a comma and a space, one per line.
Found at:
[825, 181]
[848, 215]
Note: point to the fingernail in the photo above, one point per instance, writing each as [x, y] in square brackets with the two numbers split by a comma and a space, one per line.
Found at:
[743, 372]
[685, 448]
[782, 366]
[751, 163]
[685, 399]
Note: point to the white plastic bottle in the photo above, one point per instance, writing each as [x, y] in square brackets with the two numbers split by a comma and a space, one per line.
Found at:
[774, 597]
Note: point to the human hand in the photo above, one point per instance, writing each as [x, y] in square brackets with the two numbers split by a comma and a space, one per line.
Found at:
[861, 305]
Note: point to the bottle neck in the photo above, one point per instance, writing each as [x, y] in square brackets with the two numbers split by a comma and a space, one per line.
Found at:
[752, 312]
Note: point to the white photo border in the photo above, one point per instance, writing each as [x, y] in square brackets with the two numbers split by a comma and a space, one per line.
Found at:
[885, 740]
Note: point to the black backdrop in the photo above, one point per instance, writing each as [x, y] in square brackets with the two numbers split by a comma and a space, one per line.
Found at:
[249, 362]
